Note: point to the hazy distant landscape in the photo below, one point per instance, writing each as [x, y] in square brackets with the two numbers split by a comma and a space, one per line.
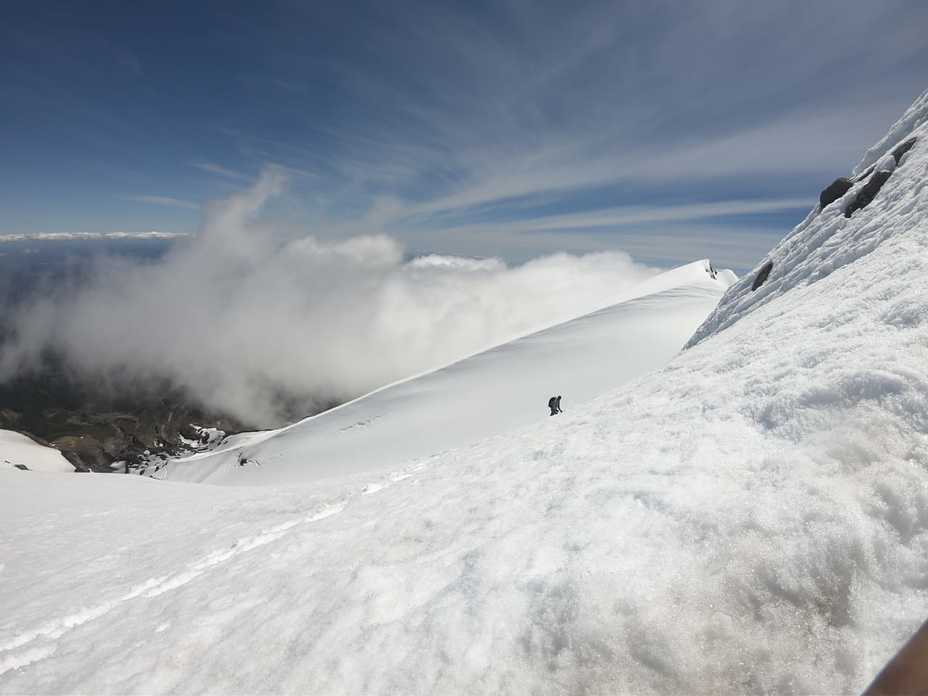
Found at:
[33, 266]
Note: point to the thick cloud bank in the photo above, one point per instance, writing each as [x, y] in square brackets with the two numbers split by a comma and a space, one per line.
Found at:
[249, 322]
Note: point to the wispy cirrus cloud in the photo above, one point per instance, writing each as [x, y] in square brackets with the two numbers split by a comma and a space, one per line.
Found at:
[529, 119]
[219, 170]
[442, 115]
[166, 201]
[638, 215]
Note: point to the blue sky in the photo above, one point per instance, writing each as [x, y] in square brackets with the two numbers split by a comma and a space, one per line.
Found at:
[672, 130]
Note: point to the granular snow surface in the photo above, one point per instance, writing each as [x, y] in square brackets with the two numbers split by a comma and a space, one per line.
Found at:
[753, 518]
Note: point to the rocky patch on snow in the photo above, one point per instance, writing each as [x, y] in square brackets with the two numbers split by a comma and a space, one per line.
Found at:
[97, 432]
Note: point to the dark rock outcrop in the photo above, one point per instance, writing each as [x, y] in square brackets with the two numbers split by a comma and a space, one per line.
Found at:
[762, 274]
[868, 192]
[842, 185]
[834, 191]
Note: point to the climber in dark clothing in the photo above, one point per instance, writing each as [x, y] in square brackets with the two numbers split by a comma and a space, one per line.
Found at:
[554, 403]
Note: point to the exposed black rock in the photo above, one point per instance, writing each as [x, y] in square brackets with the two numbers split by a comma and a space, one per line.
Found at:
[762, 274]
[903, 148]
[94, 429]
[867, 193]
[842, 185]
[834, 191]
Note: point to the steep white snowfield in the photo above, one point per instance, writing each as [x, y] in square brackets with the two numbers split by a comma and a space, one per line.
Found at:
[751, 519]
[489, 393]
[19, 451]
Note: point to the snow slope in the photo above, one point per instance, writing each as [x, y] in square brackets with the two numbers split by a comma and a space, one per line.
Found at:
[18, 450]
[751, 519]
[826, 241]
[492, 392]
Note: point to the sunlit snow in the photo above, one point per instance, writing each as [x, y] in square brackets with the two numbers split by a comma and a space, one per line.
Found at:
[751, 518]
[489, 393]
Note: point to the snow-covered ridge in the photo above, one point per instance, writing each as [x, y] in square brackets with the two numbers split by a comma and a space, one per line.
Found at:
[495, 391]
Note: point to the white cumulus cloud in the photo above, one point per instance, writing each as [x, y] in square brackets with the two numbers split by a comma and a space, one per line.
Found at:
[247, 320]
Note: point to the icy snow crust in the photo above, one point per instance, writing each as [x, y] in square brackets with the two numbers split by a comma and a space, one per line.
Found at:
[753, 518]
[492, 392]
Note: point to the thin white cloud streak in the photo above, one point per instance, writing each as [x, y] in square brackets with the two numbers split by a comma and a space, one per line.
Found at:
[219, 170]
[247, 321]
[165, 201]
[637, 215]
[798, 143]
